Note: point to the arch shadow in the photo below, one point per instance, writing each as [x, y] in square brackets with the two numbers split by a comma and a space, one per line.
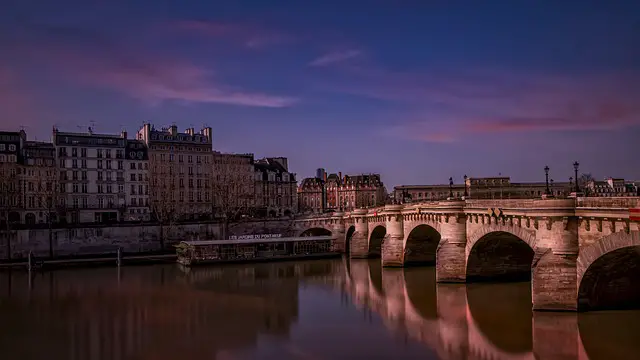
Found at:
[421, 246]
[347, 239]
[375, 241]
[499, 256]
[420, 283]
[612, 281]
[316, 232]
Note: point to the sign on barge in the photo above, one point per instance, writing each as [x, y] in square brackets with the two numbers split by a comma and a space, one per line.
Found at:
[219, 251]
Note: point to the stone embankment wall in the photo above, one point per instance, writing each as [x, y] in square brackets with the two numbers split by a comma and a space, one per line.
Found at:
[82, 241]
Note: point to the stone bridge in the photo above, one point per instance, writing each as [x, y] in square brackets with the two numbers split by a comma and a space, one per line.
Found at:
[460, 322]
[580, 253]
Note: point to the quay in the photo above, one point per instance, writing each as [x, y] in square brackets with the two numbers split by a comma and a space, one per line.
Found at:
[221, 251]
[91, 261]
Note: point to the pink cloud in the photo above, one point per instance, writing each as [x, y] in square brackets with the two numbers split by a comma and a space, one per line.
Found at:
[143, 76]
[14, 101]
[482, 101]
[249, 35]
[336, 57]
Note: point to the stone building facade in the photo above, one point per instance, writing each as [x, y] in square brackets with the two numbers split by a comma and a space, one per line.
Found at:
[91, 172]
[179, 167]
[11, 199]
[137, 181]
[232, 181]
[39, 183]
[275, 188]
[341, 193]
[612, 187]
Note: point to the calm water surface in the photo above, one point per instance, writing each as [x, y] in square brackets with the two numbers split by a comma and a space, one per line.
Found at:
[323, 309]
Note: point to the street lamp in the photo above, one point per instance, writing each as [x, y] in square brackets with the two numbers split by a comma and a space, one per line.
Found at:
[465, 186]
[576, 165]
[546, 173]
[451, 187]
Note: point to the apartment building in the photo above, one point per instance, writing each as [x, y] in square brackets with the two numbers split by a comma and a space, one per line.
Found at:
[275, 188]
[91, 175]
[11, 157]
[137, 181]
[179, 167]
[39, 183]
[232, 183]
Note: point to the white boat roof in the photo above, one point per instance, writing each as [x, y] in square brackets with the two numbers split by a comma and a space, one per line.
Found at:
[256, 241]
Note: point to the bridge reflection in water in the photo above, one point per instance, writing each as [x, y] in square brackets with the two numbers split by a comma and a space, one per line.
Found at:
[223, 312]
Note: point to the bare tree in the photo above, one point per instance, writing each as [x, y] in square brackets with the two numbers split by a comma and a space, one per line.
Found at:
[164, 185]
[9, 198]
[585, 182]
[47, 196]
[233, 195]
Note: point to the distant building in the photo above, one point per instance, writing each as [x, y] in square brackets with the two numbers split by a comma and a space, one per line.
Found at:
[275, 188]
[11, 194]
[179, 167]
[341, 193]
[481, 188]
[611, 187]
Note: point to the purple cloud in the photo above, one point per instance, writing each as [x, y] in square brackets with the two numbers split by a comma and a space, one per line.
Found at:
[249, 35]
[336, 57]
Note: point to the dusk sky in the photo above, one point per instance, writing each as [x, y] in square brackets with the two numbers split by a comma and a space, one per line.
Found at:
[416, 90]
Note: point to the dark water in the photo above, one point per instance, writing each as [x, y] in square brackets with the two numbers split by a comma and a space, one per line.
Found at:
[331, 309]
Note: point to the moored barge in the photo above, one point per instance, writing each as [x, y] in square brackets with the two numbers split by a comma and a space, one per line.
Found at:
[220, 251]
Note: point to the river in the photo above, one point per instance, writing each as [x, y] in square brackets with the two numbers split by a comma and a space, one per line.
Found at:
[312, 310]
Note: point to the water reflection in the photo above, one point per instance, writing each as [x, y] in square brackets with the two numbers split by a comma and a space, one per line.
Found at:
[335, 309]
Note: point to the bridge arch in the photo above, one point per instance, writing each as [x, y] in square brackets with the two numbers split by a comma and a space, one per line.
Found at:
[316, 231]
[375, 241]
[421, 245]
[608, 273]
[500, 253]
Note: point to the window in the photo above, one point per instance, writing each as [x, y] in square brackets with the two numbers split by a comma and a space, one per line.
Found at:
[100, 202]
[121, 188]
[133, 189]
[108, 176]
[119, 154]
[108, 164]
[75, 188]
[99, 153]
[139, 166]
[120, 165]
[83, 152]
[191, 183]
[84, 202]
[74, 163]
[99, 175]
[180, 158]
[75, 175]
[139, 177]
[100, 189]
[139, 189]
[12, 147]
[99, 164]
[133, 201]
[109, 189]
[84, 188]
[132, 166]
[190, 158]
[74, 151]
[84, 175]
[62, 164]
[133, 177]
[2, 147]
[84, 163]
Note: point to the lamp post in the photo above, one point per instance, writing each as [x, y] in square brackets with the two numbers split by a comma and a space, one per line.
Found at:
[465, 186]
[546, 173]
[576, 165]
[451, 187]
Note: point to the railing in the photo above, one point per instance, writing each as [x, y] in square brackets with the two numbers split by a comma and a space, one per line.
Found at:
[608, 202]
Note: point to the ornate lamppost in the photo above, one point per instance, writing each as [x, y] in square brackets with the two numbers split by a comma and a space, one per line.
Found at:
[465, 186]
[451, 187]
[576, 165]
[546, 173]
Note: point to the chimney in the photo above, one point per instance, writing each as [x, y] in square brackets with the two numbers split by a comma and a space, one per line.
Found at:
[340, 175]
[325, 176]
[123, 134]
[173, 129]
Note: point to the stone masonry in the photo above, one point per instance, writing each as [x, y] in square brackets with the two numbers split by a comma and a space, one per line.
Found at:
[560, 244]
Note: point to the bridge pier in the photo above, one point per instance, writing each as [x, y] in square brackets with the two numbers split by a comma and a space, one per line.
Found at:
[451, 259]
[393, 244]
[359, 245]
[554, 271]
[338, 230]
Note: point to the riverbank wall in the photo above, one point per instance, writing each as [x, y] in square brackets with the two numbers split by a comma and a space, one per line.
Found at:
[85, 240]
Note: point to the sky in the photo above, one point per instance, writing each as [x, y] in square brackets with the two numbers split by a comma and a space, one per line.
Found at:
[418, 91]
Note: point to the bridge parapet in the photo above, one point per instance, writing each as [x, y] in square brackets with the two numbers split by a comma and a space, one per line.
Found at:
[606, 202]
